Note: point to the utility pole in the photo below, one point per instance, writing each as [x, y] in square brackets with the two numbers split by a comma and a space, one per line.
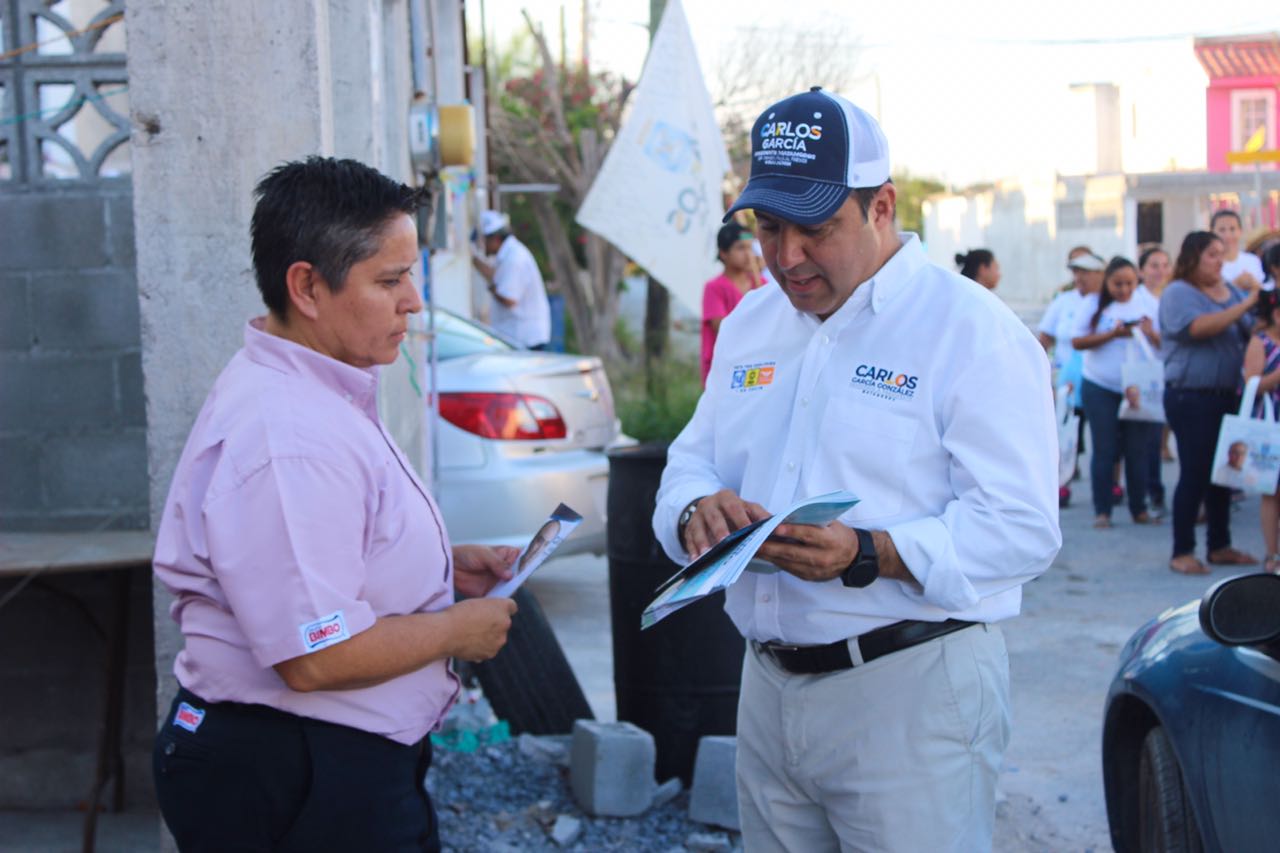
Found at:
[657, 309]
[586, 39]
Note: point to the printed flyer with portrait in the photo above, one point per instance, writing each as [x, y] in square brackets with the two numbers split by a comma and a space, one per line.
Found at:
[558, 526]
[725, 561]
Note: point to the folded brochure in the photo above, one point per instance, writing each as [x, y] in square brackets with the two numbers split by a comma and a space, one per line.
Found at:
[553, 531]
[725, 561]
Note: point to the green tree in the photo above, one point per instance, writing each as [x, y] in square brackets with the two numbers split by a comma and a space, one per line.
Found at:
[554, 125]
[912, 191]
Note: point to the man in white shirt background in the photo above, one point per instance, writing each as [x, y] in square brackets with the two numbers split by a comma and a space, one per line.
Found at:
[520, 310]
[874, 707]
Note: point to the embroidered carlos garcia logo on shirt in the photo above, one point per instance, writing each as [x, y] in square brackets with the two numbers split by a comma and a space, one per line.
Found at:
[885, 383]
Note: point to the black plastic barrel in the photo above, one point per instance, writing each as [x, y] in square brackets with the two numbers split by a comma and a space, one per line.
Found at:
[679, 679]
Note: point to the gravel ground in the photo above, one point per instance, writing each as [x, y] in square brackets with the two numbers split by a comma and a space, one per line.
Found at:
[515, 796]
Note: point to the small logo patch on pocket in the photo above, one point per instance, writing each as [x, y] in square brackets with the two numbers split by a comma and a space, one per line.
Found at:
[188, 717]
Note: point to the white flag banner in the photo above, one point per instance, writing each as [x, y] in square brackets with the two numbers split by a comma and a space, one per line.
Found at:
[657, 196]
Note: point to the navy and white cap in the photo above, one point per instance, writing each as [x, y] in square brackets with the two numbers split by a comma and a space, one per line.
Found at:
[807, 152]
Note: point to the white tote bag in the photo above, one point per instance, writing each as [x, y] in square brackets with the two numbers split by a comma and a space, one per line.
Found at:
[1248, 452]
[1068, 435]
[1143, 381]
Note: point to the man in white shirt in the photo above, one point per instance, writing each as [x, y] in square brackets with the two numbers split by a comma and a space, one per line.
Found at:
[874, 707]
[520, 310]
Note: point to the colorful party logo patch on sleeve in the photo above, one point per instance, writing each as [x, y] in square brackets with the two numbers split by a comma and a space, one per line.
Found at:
[752, 377]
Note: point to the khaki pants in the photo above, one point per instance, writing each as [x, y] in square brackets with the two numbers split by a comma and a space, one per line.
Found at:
[899, 755]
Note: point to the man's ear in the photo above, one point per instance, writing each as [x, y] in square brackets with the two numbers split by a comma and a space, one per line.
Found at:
[885, 205]
[301, 282]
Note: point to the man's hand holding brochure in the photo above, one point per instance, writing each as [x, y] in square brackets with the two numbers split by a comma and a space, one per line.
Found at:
[723, 563]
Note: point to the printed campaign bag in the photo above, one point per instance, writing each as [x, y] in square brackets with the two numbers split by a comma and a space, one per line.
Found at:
[1068, 435]
[1143, 381]
[1248, 452]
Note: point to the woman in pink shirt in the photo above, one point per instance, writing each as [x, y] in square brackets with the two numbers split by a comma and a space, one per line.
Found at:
[723, 293]
[312, 576]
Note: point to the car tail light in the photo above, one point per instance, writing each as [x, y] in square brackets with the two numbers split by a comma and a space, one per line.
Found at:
[507, 417]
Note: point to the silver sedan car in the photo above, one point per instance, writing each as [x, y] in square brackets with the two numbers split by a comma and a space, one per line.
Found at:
[520, 431]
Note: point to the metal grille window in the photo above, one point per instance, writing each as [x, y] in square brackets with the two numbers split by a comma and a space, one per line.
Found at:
[1252, 115]
[64, 104]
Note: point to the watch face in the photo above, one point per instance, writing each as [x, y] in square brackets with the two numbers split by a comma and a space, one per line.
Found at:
[861, 573]
[866, 566]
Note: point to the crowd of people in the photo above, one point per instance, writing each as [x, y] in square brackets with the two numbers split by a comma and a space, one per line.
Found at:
[1207, 318]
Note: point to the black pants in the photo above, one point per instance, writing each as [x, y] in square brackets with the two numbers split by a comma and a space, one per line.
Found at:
[252, 778]
[1111, 438]
[1195, 416]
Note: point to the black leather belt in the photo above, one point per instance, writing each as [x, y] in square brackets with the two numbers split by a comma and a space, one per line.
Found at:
[815, 660]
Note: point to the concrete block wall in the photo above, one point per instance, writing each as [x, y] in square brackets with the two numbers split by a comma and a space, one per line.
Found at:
[73, 443]
[53, 690]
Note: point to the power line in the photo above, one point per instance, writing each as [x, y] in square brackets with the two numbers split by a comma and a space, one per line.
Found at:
[68, 35]
[54, 110]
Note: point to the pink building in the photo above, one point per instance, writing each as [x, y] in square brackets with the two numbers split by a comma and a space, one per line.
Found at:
[1244, 78]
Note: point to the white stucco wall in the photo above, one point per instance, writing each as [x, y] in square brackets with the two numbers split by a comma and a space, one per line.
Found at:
[218, 98]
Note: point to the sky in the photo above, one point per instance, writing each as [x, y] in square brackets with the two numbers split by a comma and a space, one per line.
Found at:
[966, 92]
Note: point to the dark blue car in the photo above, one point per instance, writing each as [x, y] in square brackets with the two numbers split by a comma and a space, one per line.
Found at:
[1191, 739]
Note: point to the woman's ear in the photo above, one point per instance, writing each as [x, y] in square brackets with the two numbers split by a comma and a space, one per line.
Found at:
[301, 281]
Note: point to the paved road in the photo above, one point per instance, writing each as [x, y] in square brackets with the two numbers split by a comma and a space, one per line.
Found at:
[1062, 654]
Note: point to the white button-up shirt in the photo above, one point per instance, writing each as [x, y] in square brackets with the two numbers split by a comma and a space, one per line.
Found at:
[927, 398]
[516, 276]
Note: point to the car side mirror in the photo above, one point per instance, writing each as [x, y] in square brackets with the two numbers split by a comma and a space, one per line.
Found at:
[1243, 611]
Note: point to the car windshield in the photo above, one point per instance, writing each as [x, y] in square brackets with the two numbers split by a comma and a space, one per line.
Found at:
[457, 337]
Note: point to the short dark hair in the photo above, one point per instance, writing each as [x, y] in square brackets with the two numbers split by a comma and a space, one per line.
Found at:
[327, 212]
[730, 233]
[972, 261]
[1271, 261]
[1268, 302]
[1104, 296]
[1193, 246]
[1221, 214]
[1148, 252]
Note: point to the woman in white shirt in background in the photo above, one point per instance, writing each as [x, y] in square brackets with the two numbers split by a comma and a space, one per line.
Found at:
[1155, 270]
[1105, 324]
[1241, 268]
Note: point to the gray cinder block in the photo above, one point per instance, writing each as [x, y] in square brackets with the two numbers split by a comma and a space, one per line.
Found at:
[85, 309]
[15, 316]
[611, 768]
[45, 395]
[713, 798]
[36, 228]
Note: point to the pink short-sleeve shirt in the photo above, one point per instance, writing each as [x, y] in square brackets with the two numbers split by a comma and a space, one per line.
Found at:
[294, 522]
[719, 297]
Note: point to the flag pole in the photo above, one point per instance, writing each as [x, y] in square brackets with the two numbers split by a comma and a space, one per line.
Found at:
[657, 308]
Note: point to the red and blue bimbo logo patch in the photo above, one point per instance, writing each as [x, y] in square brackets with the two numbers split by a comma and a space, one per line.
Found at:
[324, 632]
[188, 717]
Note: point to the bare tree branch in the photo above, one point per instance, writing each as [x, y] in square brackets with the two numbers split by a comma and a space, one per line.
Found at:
[553, 87]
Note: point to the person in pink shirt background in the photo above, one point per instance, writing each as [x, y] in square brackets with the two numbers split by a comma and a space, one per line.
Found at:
[312, 575]
[723, 293]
